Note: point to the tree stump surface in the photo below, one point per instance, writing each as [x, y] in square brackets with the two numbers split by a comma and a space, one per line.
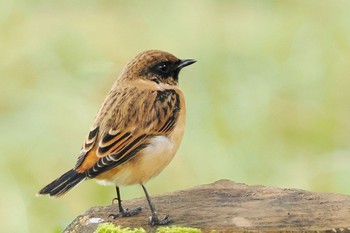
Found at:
[226, 206]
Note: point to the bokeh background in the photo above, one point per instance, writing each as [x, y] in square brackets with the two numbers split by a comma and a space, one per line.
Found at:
[268, 100]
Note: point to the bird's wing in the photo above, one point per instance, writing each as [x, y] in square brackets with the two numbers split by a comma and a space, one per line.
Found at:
[146, 115]
[88, 144]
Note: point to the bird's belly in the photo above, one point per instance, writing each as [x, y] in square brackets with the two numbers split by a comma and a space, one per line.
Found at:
[146, 164]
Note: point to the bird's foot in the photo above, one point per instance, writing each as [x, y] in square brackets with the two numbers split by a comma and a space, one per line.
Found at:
[126, 213]
[129, 213]
[155, 221]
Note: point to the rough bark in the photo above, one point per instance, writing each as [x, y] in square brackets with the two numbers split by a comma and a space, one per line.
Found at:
[226, 206]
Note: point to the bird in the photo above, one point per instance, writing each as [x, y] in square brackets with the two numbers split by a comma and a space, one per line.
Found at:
[136, 132]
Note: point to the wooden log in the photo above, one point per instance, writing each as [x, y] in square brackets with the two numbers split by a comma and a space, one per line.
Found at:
[226, 206]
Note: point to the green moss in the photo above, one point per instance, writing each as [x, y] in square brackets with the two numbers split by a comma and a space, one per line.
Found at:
[178, 230]
[111, 228]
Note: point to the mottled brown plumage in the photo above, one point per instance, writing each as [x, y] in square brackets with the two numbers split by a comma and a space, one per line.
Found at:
[137, 130]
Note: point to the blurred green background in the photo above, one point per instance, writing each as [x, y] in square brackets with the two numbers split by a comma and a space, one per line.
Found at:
[268, 100]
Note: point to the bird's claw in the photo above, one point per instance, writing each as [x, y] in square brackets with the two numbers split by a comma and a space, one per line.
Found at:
[113, 216]
[126, 213]
[155, 221]
[113, 200]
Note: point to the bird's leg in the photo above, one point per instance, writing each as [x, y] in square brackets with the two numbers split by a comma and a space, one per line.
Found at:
[154, 219]
[123, 212]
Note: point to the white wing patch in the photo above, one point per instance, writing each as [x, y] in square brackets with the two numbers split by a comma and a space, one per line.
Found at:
[158, 145]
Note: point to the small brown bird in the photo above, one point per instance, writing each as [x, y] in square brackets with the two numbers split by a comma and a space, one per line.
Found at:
[136, 132]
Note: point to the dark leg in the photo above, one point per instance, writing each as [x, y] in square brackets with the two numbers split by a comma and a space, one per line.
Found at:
[123, 212]
[154, 219]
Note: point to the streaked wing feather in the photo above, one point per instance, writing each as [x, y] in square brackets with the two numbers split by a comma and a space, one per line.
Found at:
[149, 114]
[116, 141]
[110, 161]
[87, 145]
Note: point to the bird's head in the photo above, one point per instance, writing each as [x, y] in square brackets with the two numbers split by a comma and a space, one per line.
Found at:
[157, 66]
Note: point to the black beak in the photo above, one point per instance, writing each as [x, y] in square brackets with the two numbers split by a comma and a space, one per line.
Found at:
[185, 62]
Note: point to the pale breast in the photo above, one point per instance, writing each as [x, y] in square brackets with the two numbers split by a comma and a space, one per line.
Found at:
[145, 165]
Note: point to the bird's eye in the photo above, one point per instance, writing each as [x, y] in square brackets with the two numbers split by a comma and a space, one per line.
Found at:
[163, 68]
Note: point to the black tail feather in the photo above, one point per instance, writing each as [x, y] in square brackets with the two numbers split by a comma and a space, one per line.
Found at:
[63, 184]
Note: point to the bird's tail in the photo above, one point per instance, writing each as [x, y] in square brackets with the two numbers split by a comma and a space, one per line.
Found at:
[63, 184]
